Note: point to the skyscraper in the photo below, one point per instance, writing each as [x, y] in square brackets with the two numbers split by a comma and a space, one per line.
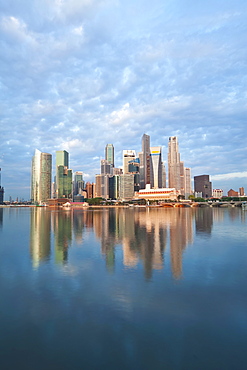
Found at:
[156, 170]
[109, 154]
[41, 177]
[63, 175]
[203, 185]
[128, 155]
[173, 163]
[78, 184]
[145, 162]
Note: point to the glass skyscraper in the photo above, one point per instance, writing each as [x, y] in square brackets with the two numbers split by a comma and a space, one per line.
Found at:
[109, 154]
[41, 177]
[63, 175]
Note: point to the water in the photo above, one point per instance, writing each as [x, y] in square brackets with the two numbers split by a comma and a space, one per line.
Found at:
[123, 289]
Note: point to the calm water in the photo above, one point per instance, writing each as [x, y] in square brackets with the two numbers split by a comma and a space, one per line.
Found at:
[123, 289]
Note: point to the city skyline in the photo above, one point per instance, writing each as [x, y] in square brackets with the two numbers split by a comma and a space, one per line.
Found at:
[77, 75]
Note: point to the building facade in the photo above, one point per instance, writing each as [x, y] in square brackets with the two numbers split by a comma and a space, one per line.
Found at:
[63, 175]
[109, 154]
[41, 177]
[203, 185]
[156, 167]
[175, 168]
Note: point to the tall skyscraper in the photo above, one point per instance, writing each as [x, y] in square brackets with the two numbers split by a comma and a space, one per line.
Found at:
[175, 166]
[144, 156]
[156, 170]
[41, 177]
[63, 175]
[203, 185]
[109, 154]
[187, 182]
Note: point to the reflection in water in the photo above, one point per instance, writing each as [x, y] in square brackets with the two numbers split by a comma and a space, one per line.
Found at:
[62, 228]
[144, 234]
[1, 217]
[40, 235]
[204, 220]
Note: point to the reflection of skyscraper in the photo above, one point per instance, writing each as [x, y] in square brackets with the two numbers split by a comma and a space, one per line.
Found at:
[1, 217]
[41, 177]
[204, 220]
[109, 154]
[63, 175]
[40, 235]
[62, 225]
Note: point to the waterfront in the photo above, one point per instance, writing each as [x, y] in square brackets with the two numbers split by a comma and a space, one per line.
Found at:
[123, 288]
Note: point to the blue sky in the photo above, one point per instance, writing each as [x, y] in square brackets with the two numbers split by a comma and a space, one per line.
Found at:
[78, 74]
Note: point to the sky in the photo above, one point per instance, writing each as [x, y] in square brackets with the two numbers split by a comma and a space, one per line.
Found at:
[78, 74]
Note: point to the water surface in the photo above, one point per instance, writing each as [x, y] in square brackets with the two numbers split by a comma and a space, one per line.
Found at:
[123, 288]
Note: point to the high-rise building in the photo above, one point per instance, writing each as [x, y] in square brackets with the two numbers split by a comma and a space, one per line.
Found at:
[145, 170]
[90, 190]
[126, 186]
[41, 177]
[203, 185]
[128, 155]
[163, 176]
[63, 175]
[109, 154]
[134, 168]
[78, 184]
[156, 170]
[1, 190]
[105, 167]
[174, 166]
[187, 182]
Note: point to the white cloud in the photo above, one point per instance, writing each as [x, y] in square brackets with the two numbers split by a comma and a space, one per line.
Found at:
[228, 176]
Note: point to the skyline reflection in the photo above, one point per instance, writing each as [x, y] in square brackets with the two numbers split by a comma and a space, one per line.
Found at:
[153, 238]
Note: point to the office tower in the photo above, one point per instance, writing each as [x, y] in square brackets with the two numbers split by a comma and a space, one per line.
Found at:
[134, 168]
[90, 190]
[128, 155]
[203, 185]
[105, 167]
[175, 166]
[156, 167]
[163, 176]
[105, 186]
[78, 184]
[41, 177]
[126, 186]
[97, 186]
[63, 175]
[109, 154]
[187, 182]
[145, 162]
